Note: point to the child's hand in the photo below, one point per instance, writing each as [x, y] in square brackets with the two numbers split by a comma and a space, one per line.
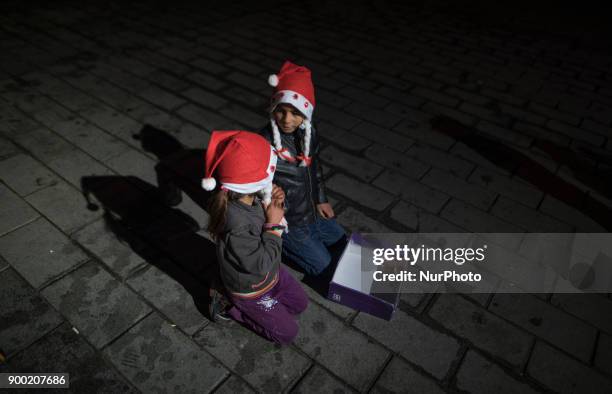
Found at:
[278, 194]
[275, 210]
[325, 210]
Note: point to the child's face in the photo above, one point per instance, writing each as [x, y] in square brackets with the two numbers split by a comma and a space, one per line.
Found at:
[287, 117]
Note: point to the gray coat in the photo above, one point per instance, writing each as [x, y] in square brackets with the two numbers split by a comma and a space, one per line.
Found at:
[249, 257]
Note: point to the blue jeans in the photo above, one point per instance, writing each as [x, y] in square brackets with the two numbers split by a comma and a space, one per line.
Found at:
[307, 245]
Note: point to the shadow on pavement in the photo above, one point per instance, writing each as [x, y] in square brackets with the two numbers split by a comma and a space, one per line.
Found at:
[524, 167]
[141, 214]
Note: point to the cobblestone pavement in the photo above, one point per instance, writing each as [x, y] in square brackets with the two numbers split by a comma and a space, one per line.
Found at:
[93, 97]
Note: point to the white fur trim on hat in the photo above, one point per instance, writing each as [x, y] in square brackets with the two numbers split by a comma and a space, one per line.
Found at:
[253, 187]
[273, 80]
[209, 184]
[300, 102]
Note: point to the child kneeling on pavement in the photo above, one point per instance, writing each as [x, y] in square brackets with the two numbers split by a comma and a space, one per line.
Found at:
[262, 294]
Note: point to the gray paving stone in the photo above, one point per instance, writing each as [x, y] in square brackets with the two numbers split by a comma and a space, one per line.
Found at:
[522, 114]
[191, 136]
[201, 117]
[40, 252]
[195, 211]
[422, 131]
[538, 132]
[505, 134]
[482, 328]
[337, 117]
[44, 144]
[205, 98]
[575, 132]
[206, 80]
[74, 165]
[61, 156]
[24, 316]
[209, 66]
[396, 161]
[430, 223]
[355, 221]
[160, 119]
[161, 97]
[595, 127]
[25, 175]
[134, 163]
[344, 351]
[510, 187]
[571, 215]
[527, 218]
[155, 356]
[14, 121]
[465, 95]
[595, 309]
[256, 84]
[339, 310]
[320, 381]
[439, 159]
[363, 96]
[14, 212]
[64, 206]
[244, 352]
[562, 374]
[422, 345]
[411, 191]
[250, 99]
[378, 117]
[99, 144]
[399, 376]
[490, 115]
[438, 109]
[554, 114]
[113, 121]
[458, 188]
[98, 305]
[603, 354]
[600, 111]
[435, 96]
[359, 192]
[469, 154]
[547, 322]
[167, 80]
[475, 220]
[168, 297]
[100, 240]
[234, 385]
[361, 168]
[326, 97]
[479, 375]
[407, 215]
[64, 350]
[7, 148]
[241, 115]
[345, 139]
[383, 136]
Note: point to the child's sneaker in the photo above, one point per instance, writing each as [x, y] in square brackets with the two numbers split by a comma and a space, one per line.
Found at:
[218, 307]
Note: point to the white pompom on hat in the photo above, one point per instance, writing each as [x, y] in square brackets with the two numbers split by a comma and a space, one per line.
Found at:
[273, 80]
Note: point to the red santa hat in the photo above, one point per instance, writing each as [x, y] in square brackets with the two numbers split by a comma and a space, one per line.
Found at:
[293, 85]
[241, 161]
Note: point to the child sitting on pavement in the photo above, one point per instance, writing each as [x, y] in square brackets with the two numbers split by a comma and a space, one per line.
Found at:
[263, 295]
[312, 228]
